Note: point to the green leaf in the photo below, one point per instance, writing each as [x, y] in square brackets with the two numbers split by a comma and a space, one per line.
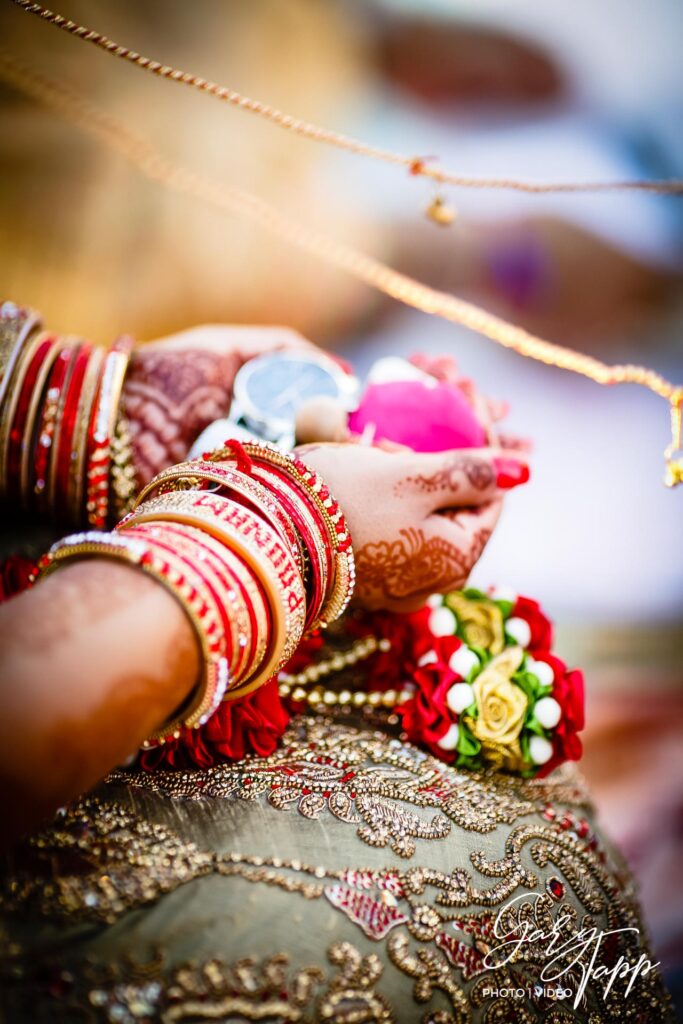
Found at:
[524, 746]
[505, 607]
[533, 725]
[467, 744]
[481, 652]
[528, 683]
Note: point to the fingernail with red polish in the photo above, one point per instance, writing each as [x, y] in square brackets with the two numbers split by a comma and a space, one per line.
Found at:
[510, 473]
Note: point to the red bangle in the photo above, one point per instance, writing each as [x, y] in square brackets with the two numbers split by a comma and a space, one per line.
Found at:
[36, 371]
[46, 426]
[239, 486]
[331, 516]
[237, 577]
[63, 453]
[306, 522]
[186, 549]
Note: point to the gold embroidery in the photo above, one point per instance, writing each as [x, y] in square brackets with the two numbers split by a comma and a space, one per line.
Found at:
[98, 861]
[363, 778]
[269, 990]
[351, 998]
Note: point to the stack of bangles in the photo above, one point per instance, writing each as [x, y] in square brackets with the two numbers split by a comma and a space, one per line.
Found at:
[253, 546]
[65, 450]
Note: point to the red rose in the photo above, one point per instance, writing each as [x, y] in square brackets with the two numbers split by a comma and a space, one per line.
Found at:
[569, 692]
[252, 725]
[427, 717]
[541, 627]
[15, 574]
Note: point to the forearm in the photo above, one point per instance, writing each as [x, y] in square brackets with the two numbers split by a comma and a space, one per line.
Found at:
[94, 659]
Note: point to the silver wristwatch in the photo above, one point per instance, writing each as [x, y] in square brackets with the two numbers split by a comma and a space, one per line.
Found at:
[268, 392]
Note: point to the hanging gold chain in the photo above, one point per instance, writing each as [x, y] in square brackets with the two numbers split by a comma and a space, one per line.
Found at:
[117, 136]
[417, 166]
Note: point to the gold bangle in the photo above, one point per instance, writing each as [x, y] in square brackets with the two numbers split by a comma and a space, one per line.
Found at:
[108, 401]
[16, 325]
[122, 473]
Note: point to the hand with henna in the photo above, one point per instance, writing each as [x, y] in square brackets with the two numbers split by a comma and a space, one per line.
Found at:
[419, 521]
[178, 385]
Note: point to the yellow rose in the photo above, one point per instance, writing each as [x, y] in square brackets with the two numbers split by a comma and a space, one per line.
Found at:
[502, 704]
[480, 621]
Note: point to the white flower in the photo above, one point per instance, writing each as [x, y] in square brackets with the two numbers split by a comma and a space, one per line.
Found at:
[449, 740]
[548, 712]
[542, 670]
[463, 661]
[540, 750]
[519, 630]
[442, 622]
[459, 697]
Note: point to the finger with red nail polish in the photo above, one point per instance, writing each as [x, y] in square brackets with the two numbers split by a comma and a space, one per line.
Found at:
[510, 473]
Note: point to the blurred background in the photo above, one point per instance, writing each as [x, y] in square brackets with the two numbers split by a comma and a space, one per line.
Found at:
[562, 91]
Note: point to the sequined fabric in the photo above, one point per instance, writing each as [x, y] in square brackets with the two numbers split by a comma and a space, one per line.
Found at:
[349, 877]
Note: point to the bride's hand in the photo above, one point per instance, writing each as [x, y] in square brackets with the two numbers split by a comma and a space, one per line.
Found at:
[419, 522]
[176, 386]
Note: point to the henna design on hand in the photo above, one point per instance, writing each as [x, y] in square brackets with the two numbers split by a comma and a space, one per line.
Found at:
[169, 397]
[479, 473]
[413, 564]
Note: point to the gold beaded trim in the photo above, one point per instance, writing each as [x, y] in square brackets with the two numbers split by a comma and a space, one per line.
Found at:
[294, 686]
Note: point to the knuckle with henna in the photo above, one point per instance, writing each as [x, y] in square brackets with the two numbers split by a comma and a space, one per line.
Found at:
[458, 469]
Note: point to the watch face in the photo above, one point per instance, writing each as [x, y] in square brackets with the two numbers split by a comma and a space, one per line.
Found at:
[271, 388]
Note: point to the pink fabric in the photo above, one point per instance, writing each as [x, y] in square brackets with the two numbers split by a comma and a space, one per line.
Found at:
[425, 418]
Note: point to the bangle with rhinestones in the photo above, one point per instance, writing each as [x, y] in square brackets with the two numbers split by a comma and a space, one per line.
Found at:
[36, 484]
[17, 324]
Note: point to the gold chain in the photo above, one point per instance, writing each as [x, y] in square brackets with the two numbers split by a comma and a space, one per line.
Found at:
[417, 166]
[153, 165]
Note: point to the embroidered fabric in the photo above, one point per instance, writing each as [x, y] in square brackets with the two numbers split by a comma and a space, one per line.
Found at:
[349, 877]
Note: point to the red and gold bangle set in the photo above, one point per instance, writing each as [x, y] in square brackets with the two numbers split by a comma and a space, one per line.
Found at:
[61, 453]
[256, 550]
[248, 539]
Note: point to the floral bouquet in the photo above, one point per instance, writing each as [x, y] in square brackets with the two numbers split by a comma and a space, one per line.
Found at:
[486, 689]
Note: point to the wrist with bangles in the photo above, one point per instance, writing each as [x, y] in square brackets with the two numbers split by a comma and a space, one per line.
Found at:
[218, 536]
[65, 450]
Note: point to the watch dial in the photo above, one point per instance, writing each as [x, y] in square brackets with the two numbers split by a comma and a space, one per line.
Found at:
[279, 386]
